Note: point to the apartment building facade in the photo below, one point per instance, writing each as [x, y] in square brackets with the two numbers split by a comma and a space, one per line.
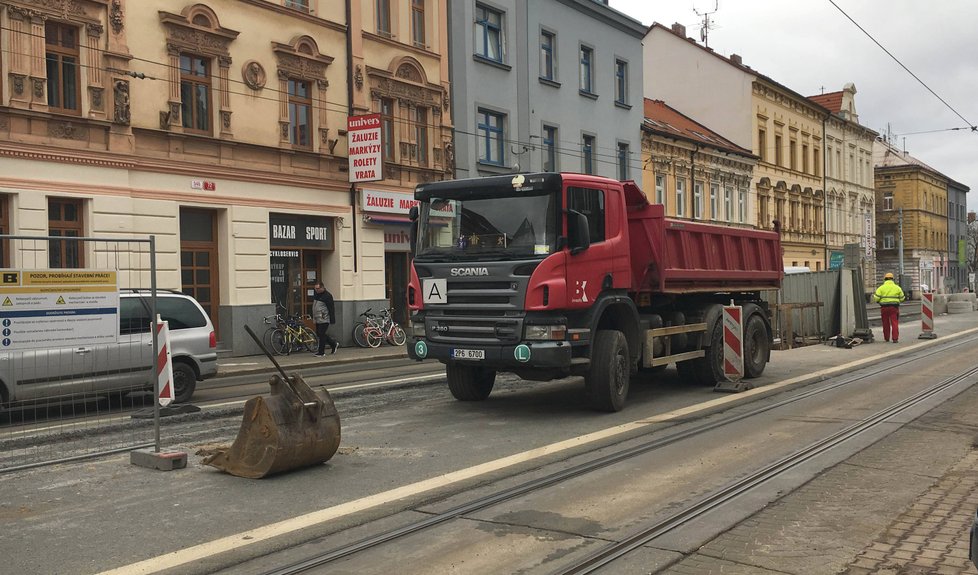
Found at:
[850, 200]
[781, 127]
[546, 85]
[220, 128]
[694, 172]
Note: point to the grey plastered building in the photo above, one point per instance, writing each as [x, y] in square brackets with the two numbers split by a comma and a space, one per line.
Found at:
[551, 85]
[957, 236]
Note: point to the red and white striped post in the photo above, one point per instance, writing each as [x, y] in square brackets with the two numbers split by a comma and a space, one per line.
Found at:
[733, 350]
[927, 316]
[164, 363]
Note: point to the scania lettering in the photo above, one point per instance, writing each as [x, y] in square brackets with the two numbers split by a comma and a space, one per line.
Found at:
[553, 275]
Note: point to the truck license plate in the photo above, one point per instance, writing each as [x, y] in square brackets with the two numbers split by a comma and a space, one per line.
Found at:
[468, 354]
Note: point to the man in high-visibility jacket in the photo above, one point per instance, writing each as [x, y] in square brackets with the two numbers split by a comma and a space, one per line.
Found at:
[889, 295]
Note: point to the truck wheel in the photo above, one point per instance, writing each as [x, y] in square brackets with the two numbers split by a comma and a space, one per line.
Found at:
[706, 370]
[470, 383]
[184, 382]
[756, 346]
[608, 376]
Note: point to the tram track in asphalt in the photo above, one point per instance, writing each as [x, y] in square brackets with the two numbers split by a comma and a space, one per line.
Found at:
[613, 551]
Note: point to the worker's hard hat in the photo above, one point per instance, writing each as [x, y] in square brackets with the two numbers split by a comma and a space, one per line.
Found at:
[888, 276]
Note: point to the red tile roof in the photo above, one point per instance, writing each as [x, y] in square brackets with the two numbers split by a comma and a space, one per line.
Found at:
[832, 101]
[667, 121]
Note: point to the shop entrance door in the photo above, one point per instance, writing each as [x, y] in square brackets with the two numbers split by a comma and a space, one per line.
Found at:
[198, 259]
[396, 264]
[294, 272]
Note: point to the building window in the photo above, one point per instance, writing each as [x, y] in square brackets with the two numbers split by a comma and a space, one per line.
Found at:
[417, 23]
[302, 5]
[817, 163]
[741, 205]
[697, 200]
[714, 200]
[489, 33]
[728, 204]
[547, 47]
[587, 57]
[660, 189]
[587, 154]
[762, 144]
[804, 158]
[623, 161]
[887, 200]
[5, 230]
[792, 152]
[300, 106]
[65, 220]
[195, 93]
[64, 82]
[680, 196]
[387, 127]
[778, 159]
[889, 241]
[490, 137]
[384, 17]
[838, 164]
[421, 134]
[621, 82]
[549, 149]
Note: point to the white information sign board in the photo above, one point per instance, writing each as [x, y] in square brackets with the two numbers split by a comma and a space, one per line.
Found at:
[365, 148]
[58, 308]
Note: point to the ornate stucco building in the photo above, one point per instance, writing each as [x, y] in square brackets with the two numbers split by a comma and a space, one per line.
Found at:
[694, 172]
[217, 125]
[850, 200]
[783, 128]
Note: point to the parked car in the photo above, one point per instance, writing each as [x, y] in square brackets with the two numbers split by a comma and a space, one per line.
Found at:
[124, 365]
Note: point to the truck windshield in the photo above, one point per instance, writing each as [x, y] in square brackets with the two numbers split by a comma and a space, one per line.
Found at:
[496, 228]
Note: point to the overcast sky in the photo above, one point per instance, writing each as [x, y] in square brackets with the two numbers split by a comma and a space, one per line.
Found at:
[811, 47]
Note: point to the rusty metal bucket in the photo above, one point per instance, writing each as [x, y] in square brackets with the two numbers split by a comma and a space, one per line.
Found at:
[294, 427]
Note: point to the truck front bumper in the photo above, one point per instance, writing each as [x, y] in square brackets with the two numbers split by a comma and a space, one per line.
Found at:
[528, 354]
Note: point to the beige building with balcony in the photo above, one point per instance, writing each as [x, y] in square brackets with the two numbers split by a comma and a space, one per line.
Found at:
[780, 126]
[220, 127]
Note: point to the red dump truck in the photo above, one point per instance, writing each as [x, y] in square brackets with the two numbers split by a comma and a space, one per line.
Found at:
[550, 275]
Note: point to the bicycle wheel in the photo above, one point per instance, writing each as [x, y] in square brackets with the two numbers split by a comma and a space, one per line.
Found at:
[266, 339]
[374, 337]
[309, 339]
[358, 335]
[279, 342]
[396, 335]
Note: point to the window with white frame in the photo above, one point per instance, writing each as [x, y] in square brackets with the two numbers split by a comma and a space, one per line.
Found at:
[889, 241]
[587, 63]
[728, 204]
[697, 200]
[680, 196]
[887, 200]
[660, 189]
[488, 33]
[741, 205]
[714, 200]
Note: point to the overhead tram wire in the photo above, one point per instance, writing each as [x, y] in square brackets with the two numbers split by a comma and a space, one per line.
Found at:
[971, 126]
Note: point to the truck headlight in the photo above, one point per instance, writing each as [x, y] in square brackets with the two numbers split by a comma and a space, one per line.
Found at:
[545, 332]
[417, 329]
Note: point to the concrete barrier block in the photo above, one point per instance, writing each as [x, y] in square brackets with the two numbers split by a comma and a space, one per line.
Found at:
[162, 461]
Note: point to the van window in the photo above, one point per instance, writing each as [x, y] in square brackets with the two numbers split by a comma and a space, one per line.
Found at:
[180, 312]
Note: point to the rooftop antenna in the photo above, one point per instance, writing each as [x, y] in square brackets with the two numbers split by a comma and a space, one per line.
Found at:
[705, 29]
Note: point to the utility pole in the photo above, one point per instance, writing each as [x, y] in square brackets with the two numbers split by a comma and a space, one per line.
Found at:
[705, 29]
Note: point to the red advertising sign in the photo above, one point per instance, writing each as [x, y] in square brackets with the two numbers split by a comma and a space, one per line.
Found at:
[366, 148]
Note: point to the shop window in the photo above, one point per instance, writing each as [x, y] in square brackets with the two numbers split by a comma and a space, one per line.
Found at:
[62, 59]
[65, 220]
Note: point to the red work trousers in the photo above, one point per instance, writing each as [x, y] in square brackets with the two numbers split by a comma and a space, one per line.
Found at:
[890, 314]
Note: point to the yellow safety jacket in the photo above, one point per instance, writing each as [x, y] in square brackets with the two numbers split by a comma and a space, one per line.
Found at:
[889, 294]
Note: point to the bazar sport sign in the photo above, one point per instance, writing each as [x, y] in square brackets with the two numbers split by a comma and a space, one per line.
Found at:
[365, 148]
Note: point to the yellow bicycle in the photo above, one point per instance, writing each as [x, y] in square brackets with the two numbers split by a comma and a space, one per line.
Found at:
[291, 336]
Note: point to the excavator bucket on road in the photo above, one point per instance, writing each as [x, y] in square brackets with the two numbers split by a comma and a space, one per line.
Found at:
[292, 428]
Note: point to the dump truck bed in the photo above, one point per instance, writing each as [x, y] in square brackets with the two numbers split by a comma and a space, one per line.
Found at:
[679, 256]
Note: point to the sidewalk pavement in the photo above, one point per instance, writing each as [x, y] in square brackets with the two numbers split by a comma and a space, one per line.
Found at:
[228, 365]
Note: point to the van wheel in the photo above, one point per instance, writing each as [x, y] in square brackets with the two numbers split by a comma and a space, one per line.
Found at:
[609, 374]
[184, 382]
[468, 382]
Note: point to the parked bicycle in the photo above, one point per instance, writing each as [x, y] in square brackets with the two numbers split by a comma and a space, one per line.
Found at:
[291, 335]
[374, 329]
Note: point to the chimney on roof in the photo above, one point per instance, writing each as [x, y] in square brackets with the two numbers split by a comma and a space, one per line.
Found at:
[736, 59]
[679, 29]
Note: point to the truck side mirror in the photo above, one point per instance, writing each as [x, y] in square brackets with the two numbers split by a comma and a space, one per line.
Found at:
[578, 234]
[413, 233]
